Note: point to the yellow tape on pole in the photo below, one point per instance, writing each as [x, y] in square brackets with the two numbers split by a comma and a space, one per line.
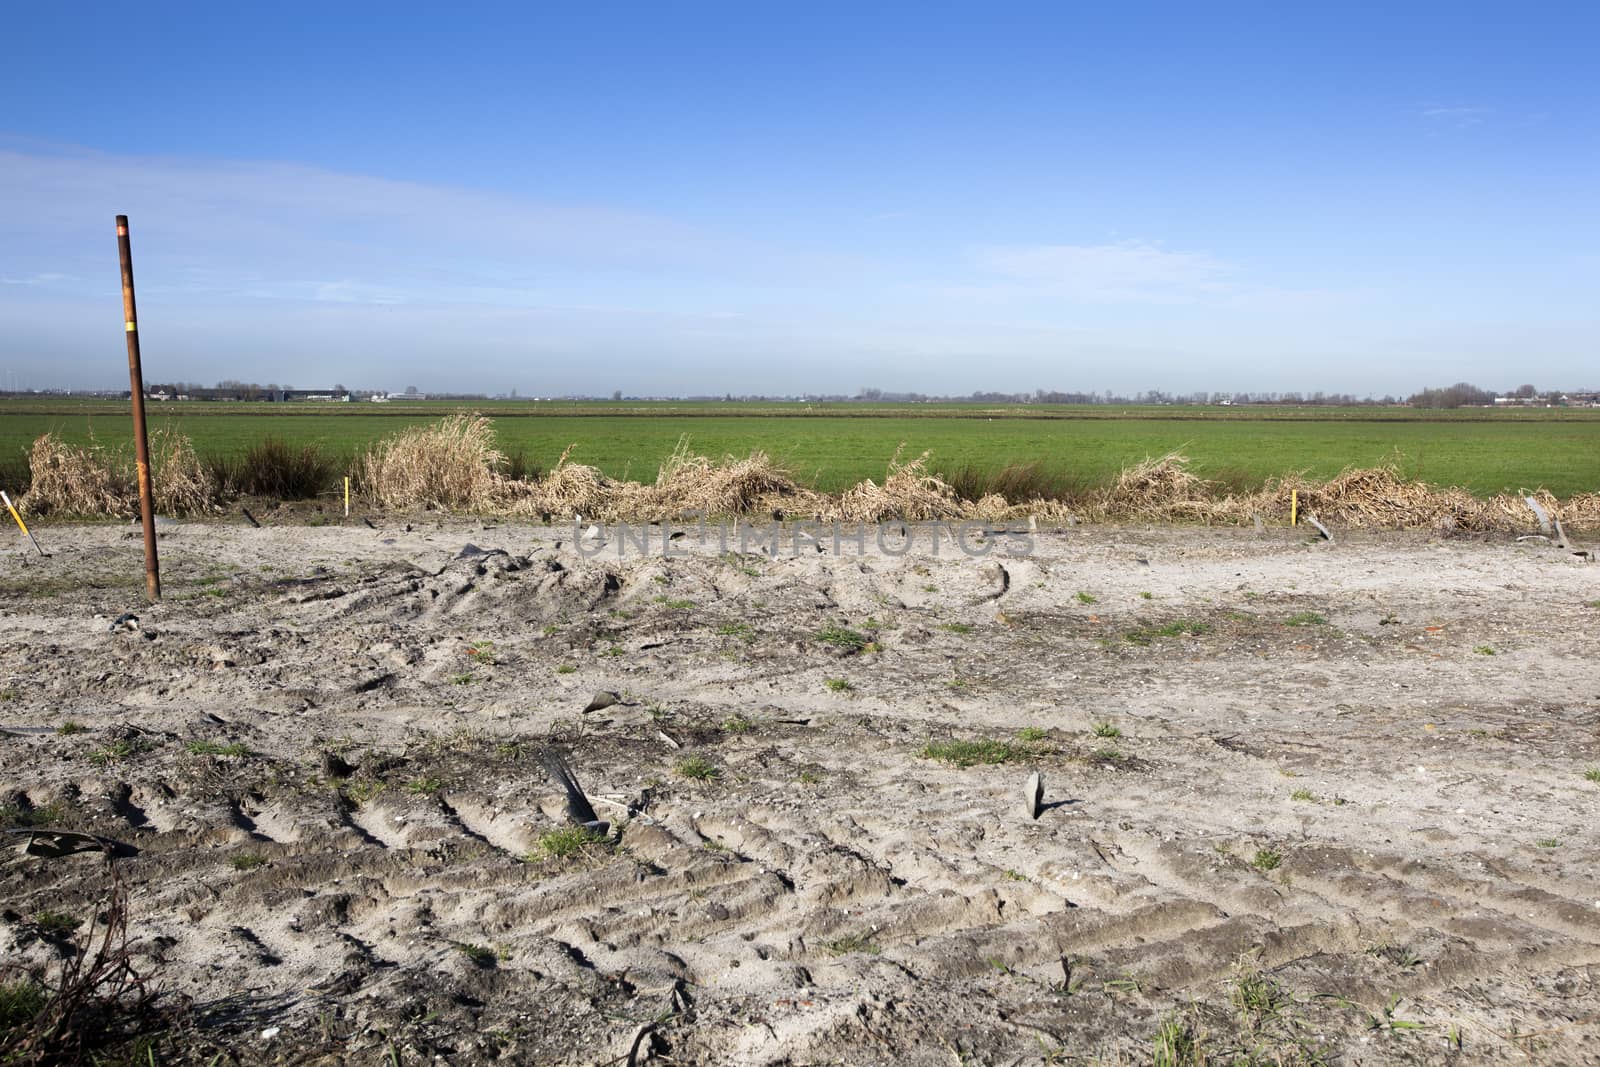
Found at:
[1294, 507]
[347, 496]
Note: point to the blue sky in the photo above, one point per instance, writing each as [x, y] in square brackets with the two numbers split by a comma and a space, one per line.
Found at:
[696, 198]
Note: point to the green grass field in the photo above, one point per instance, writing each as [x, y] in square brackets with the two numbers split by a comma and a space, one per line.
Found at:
[833, 446]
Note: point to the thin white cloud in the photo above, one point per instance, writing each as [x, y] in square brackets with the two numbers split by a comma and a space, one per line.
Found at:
[1123, 271]
[1459, 117]
[351, 291]
[43, 278]
[259, 228]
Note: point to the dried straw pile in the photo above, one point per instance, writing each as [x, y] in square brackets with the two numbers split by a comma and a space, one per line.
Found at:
[1378, 498]
[182, 486]
[95, 481]
[687, 482]
[909, 493]
[1159, 490]
[1580, 512]
[449, 464]
[569, 489]
[76, 481]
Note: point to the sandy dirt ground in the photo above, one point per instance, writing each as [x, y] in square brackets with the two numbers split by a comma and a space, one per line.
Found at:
[1304, 802]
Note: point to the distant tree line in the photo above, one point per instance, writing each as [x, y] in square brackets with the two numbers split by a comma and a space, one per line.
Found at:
[1466, 395]
[227, 390]
[1149, 396]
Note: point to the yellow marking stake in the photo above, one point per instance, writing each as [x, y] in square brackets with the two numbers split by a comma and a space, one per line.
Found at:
[347, 496]
[20, 524]
[1294, 507]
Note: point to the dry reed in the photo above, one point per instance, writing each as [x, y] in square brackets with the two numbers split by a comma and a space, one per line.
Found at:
[908, 492]
[454, 464]
[449, 464]
[67, 480]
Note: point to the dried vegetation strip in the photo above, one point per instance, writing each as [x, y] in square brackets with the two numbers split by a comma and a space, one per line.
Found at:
[454, 465]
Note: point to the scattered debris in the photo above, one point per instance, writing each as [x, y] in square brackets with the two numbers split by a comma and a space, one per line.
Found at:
[49, 843]
[1033, 794]
[1538, 510]
[603, 698]
[579, 810]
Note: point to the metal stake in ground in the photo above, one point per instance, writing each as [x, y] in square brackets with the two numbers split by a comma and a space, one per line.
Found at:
[141, 443]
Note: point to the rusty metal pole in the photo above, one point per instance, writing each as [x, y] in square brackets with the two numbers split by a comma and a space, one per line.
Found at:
[141, 442]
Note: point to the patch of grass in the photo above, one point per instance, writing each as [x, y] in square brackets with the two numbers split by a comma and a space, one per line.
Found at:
[8, 695]
[675, 605]
[1143, 635]
[362, 790]
[841, 637]
[481, 955]
[565, 843]
[698, 768]
[272, 467]
[1303, 794]
[1402, 956]
[1592, 775]
[426, 785]
[1147, 596]
[956, 627]
[15, 816]
[738, 724]
[213, 748]
[1106, 754]
[1086, 598]
[1018, 483]
[1266, 859]
[971, 753]
[1106, 729]
[68, 728]
[841, 946]
[516, 466]
[838, 685]
[1175, 1045]
[1484, 650]
[21, 1005]
[1548, 842]
[21, 1002]
[482, 652]
[809, 777]
[115, 752]
[742, 630]
[464, 678]
[247, 861]
[1032, 735]
[1257, 998]
[566, 668]
[55, 923]
[1305, 618]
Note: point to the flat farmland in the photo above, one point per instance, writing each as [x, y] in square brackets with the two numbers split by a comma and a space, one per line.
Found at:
[833, 446]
